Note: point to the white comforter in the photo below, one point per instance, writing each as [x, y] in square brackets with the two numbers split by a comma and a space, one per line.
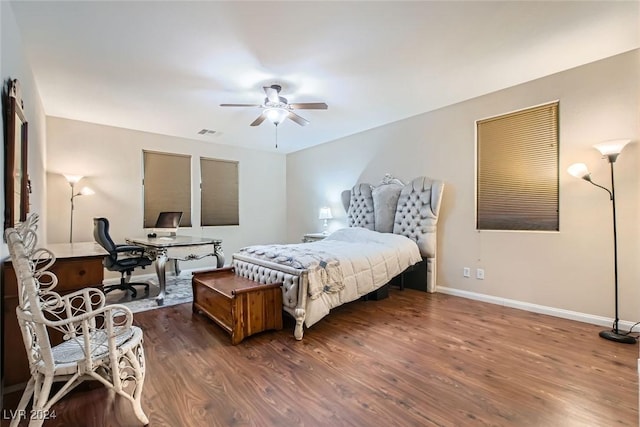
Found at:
[367, 260]
[323, 269]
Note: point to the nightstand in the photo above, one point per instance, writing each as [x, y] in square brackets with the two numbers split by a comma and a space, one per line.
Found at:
[313, 237]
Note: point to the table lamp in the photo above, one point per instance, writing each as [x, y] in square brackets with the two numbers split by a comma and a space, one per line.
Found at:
[325, 214]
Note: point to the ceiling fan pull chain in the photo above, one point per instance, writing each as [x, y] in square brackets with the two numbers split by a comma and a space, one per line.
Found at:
[276, 135]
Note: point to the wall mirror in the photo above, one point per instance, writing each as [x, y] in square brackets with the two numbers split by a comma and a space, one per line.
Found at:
[16, 180]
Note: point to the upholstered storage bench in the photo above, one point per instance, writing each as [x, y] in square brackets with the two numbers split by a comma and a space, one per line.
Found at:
[240, 306]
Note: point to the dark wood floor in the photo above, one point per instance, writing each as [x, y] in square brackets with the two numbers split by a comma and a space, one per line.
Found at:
[413, 359]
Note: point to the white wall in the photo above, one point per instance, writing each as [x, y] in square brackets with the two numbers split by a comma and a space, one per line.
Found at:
[571, 269]
[111, 160]
[15, 65]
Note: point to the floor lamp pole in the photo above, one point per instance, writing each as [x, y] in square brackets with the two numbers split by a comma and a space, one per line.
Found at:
[71, 222]
[614, 334]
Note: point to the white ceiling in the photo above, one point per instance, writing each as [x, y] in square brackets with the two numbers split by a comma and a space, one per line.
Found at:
[165, 67]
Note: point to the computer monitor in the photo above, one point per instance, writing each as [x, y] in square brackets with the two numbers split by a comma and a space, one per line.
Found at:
[168, 222]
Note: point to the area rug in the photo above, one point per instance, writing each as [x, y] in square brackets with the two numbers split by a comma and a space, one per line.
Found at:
[178, 291]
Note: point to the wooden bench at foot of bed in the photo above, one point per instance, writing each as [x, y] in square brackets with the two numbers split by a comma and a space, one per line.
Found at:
[240, 306]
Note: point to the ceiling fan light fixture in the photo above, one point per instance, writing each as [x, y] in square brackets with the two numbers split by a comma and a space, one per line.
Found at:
[276, 115]
[277, 109]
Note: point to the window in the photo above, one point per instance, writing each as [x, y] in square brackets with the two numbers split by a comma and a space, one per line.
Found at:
[167, 186]
[219, 192]
[517, 170]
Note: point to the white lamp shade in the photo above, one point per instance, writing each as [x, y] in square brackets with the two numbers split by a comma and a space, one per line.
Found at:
[325, 213]
[579, 170]
[614, 146]
[86, 191]
[276, 115]
[73, 179]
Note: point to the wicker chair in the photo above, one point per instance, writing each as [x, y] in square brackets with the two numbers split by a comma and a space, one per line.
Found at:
[99, 342]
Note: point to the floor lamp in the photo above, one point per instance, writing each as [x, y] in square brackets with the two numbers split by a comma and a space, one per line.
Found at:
[86, 191]
[611, 150]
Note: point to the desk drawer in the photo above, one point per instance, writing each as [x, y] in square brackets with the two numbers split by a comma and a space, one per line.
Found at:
[185, 253]
[72, 274]
[76, 274]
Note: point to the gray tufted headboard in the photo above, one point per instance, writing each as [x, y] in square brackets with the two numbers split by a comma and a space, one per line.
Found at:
[417, 213]
[360, 209]
[408, 209]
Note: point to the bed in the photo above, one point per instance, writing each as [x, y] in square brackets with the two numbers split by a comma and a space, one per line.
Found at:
[392, 227]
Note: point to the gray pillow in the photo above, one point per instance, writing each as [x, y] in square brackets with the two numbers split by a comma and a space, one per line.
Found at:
[346, 199]
[385, 202]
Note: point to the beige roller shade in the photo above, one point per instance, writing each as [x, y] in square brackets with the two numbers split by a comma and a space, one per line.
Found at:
[517, 182]
[219, 192]
[167, 186]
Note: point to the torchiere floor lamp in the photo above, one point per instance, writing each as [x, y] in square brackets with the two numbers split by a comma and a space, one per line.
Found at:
[611, 150]
[86, 191]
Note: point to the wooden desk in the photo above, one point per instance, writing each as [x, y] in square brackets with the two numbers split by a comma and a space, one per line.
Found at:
[77, 266]
[177, 248]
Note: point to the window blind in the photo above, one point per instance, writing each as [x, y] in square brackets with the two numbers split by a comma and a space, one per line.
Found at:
[219, 192]
[517, 170]
[167, 186]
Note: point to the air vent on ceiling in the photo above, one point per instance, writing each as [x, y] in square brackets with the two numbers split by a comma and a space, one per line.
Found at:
[206, 132]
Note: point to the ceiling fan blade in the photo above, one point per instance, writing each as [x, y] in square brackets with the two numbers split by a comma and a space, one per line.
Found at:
[309, 105]
[259, 120]
[272, 93]
[299, 120]
[239, 105]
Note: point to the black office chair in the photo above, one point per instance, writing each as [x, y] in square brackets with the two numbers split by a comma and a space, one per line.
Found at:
[122, 258]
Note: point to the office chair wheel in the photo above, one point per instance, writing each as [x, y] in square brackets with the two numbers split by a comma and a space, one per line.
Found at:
[127, 287]
[134, 291]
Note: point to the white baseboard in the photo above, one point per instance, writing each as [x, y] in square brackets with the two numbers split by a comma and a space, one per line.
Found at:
[536, 308]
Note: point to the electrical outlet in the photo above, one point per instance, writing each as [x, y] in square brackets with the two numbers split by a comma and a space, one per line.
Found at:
[480, 273]
[466, 272]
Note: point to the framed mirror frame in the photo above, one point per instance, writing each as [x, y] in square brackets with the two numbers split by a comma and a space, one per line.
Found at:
[16, 179]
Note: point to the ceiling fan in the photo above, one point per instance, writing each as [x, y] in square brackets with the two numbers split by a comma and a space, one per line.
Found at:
[276, 108]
